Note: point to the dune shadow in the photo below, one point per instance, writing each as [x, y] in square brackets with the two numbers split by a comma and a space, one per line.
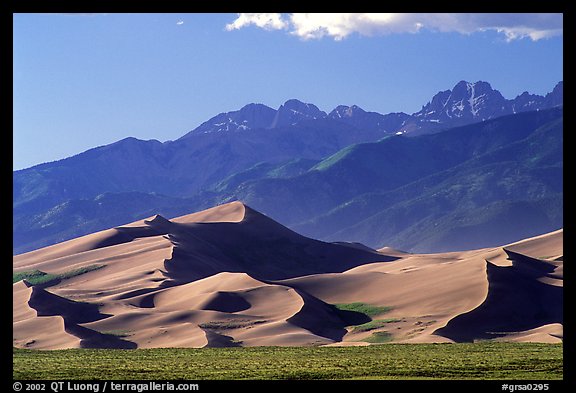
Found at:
[324, 319]
[516, 301]
[351, 318]
[228, 302]
[263, 249]
[218, 340]
[75, 313]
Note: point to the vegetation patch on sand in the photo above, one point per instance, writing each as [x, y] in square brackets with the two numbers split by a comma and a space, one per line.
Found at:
[230, 324]
[374, 324]
[363, 308]
[118, 333]
[32, 276]
[378, 338]
[38, 277]
[486, 360]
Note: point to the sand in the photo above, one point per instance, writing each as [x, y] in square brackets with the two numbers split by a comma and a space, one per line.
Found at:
[229, 276]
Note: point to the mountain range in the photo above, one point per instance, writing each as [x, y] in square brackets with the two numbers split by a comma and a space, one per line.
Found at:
[470, 169]
[466, 103]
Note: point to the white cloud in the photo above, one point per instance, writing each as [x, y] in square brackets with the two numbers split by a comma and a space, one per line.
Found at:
[264, 21]
[339, 26]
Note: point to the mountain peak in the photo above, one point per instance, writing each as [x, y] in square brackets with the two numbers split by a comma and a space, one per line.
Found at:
[556, 96]
[251, 116]
[294, 111]
[296, 105]
[344, 111]
[254, 107]
[469, 85]
[462, 85]
[466, 101]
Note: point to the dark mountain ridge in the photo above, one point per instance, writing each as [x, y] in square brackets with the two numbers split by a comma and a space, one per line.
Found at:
[265, 156]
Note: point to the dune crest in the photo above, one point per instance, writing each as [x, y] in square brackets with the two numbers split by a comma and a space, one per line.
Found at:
[229, 212]
[230, 276]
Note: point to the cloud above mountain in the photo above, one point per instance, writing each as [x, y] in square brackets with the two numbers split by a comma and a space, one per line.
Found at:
[340, 25]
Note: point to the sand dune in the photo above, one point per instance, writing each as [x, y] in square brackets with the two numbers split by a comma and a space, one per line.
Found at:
[230, 276]
[26, 332]
[546, 246]
[516, 301]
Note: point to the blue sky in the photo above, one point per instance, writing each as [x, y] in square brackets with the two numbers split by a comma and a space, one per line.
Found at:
[86, 80]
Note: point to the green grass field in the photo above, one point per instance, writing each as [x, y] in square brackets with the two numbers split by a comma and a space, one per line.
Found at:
[511, 361]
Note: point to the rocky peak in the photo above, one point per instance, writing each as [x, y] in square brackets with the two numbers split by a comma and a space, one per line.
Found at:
[294, 111]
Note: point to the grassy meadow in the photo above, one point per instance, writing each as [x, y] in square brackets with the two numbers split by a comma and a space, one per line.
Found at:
[485, 360]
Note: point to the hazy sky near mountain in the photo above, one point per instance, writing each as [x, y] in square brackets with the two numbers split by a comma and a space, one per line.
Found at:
[84, 80]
